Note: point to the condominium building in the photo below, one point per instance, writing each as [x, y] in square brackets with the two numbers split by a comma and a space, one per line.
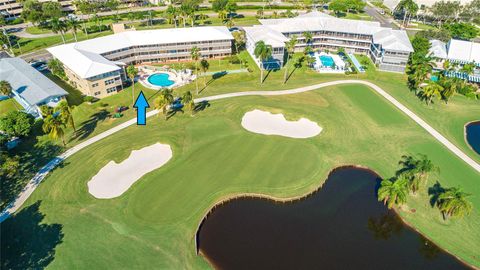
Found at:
[96, 66]
[389, 49]
[13, 8]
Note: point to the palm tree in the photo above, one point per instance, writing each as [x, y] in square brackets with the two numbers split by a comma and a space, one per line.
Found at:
[53, 125]
[195, 54]
[171, 13]
[164, 100]
[7, 90]
[58, 26]
[416, 170]
[290, 47]
[308, 37]
[262, 52]
[65, 114]
[132, 73]
[431, 90]
[73, 25]
[189, 102]
[453, 202]
[204, 65]
[393, 191]
[450, 86]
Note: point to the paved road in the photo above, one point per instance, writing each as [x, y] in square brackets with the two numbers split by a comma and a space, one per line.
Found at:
[384, 20]
[36, 180]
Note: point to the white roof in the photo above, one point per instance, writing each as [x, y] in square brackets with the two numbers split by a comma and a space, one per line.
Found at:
[463, 51]
[269, 36]
[315, 14]
[27, 82]
[85, 60]
[301, 24]
[438, 49]
[396, 40]
[389, 39]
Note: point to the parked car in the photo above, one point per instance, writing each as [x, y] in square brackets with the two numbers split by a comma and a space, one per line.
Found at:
[39, 65]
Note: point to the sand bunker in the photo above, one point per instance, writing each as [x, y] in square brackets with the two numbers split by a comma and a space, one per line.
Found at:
[114, 179]
[275, 124]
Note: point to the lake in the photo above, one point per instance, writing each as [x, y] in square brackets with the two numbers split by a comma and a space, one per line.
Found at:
[341, 226]
[473, 135]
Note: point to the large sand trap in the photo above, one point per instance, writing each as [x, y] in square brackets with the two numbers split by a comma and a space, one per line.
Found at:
[114, 179]
[275, 124]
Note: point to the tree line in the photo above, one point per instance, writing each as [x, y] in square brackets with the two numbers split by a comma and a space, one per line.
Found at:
[421, 75]
[411, 177]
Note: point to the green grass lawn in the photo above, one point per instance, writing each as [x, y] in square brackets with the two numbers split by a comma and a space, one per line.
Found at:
[153, 224]
[9, 105]
[32, 44]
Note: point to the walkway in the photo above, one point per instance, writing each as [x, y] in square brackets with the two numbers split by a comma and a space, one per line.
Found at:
[35, 181]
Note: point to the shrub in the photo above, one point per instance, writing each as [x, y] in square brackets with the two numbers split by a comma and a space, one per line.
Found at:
[97, 28]
[16, 124]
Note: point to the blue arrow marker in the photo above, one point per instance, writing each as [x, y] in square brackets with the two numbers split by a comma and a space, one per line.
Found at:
[141, 105]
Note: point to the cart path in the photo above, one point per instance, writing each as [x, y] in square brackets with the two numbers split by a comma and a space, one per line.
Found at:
[37, 179]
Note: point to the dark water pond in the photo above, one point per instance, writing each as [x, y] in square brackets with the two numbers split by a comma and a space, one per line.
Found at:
[342, 226]
[473, 135]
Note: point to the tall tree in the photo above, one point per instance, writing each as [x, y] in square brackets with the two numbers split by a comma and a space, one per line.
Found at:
[453, 202]
[195, 55]
[56, 67]
[189, 102]
[51, 10]
[290, 47]
[65, 112]
[58, 26]
[204, 66]
[262, 52]
[163, 101]
[431, 90]
[308, 36]
[393, 191]
[132, 72]
[54, 126]
[73, 24]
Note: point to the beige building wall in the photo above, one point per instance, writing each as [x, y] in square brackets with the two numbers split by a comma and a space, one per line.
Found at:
[99, 88]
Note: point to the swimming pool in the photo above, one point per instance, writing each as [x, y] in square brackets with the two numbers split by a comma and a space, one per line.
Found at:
[327, 61]
[160, 79]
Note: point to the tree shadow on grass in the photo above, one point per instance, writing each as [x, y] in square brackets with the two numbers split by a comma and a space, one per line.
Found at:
[434, 192]
[27, 242]
[33, 156]
[88, 126]
[200, 106]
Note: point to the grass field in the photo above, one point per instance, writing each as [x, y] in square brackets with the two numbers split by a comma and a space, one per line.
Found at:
[153, 224]
[9, 105]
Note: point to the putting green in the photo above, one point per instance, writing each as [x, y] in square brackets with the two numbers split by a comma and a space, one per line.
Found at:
[153, 224]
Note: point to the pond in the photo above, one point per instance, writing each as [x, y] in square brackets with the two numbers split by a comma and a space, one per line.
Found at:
[472, 131]
[341, 226]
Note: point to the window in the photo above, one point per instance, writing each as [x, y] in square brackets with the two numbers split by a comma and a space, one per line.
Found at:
[96, 93]
[111, 89]
[95, 85]
[108, 82]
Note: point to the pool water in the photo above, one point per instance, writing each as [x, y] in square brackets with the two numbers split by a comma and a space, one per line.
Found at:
[160, 79]
[327, 61]
[434, 78]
